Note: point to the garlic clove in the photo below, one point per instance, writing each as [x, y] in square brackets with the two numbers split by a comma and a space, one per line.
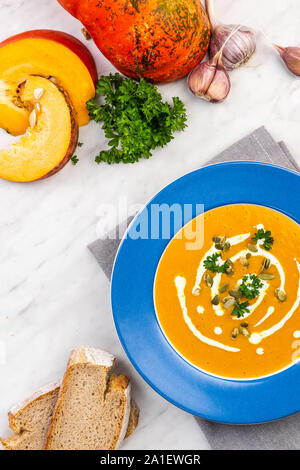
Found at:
[239, 48]
[220, 86]
[210, 81]
[291, 58]
[201, 77]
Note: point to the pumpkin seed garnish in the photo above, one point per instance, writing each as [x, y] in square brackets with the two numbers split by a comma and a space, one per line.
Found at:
[248, 255]
[208, 280]
[228, 302]
[196, 291]
[244, 262]
[244, 325]
[229, 270]
[265, 264]
[266, 277]
[226, 246]
[235, 332]
[216, 300]
[221, 243]
[280, 295]
[244, 331]
[252, 248]
[223, 288]
[236, 293]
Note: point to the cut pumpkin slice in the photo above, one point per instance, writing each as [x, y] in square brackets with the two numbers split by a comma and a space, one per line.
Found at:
[48, 54]
[49, 144]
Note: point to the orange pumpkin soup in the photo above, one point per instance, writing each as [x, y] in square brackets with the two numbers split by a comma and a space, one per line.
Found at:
[232, 308]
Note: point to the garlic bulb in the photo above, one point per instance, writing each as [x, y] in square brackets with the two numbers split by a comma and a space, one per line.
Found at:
[210, 81]
[238, 49]
[291, 58]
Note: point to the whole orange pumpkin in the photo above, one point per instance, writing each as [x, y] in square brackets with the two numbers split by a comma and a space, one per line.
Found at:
[160, 40]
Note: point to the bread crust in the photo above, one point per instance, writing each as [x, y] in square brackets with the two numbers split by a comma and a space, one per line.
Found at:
[81, 355]
[96, 358]
[17, 410]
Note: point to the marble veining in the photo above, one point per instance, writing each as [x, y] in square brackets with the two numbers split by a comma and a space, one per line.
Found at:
[53, 296]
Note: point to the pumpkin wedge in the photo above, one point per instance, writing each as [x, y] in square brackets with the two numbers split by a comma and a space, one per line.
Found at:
[50, 141]
[46, 53]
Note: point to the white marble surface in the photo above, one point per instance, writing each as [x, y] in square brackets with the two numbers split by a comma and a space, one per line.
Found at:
[53, 296]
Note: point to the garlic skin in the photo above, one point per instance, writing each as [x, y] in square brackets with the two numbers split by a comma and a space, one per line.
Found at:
[220, 86]
[239, 48]
[210, 81]
[291, 58]
[200, 78]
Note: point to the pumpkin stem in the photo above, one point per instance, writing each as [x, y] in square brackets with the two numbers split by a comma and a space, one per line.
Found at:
[210, 8]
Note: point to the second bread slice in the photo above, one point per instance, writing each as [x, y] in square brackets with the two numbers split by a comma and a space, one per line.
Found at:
[92, 410]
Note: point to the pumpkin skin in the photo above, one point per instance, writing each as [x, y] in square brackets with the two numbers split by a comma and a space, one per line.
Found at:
[160, 40]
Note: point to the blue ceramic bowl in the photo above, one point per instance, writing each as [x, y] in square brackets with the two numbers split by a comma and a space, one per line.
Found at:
[213, 398]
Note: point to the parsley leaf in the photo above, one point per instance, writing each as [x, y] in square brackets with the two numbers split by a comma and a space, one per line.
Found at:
[134, 118]
[261, 234]
[211, 264]
[75, 159]
[250, 286]
[240, 309]
[80, 144]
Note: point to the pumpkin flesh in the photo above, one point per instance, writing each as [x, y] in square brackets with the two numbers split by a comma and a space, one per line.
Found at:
[49, 145]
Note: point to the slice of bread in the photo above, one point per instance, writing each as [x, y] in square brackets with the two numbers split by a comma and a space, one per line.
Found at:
[92, 410]
[30, 420]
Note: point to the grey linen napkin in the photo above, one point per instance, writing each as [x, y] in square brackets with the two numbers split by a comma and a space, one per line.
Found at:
[282, 434]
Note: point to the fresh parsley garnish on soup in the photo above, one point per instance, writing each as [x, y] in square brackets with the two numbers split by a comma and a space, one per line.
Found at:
[250, 286]
[211, 264]
[261, 234]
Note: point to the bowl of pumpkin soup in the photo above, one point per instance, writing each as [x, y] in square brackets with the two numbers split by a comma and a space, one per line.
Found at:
[232, 308]
[212, 323]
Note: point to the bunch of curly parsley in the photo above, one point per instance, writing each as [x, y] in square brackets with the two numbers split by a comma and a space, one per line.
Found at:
[135, 118]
